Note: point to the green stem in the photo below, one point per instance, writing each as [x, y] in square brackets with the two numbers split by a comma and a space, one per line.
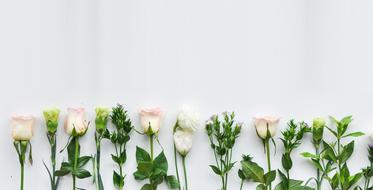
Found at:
[75, 160]
[22, 175]
[176, 167]
[185, 174]
[318, 183]
[151, 147]
[339, 163]
[53, 160]
[241, 184]
[268, 153]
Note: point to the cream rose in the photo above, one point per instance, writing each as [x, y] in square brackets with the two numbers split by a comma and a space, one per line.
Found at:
[22, 127]
[183, 139]
[188, 118]
[76, 119]
[264, 123]
[150, 119]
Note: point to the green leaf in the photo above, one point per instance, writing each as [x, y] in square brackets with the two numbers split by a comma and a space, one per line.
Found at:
[61, 172]
[309, 155]
[261, 187]
[71, 149]
[118, 180]
[160, 162]
[354, 134]
[82, 173]
[329, 152]
[145, 168]
[83, 161]
[216, 170]
[115, 159]
[346, 152]
[253, 170]
[286, 162]
[147, 187]
[172, 182]
[139, 175]
[269, 177]
[142, 155]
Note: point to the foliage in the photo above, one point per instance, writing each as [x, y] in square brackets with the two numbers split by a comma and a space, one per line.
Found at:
[222, 136]
[291, 140]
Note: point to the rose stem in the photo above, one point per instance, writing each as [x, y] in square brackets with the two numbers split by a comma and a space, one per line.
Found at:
[185, 173]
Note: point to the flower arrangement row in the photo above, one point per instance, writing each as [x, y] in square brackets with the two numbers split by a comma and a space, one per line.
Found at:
[330, 158]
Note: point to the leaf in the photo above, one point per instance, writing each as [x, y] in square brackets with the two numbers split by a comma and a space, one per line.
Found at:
[354, 134]
[269, 177]
[216, 170]
[142, 155]
[261, 187]
[145, 168]
[309, 155]
[139, 175]
[329, 152]
[286, 162]
[172, 182]
[346, 152]
[253, 170]
[160, 162]
[62, 172]
[118, 180]
[115, 159]
[147, 187]
[82, 173]
[83, 161]
[71, 149]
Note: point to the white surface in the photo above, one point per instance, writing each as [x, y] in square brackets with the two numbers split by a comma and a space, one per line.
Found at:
[291, 58]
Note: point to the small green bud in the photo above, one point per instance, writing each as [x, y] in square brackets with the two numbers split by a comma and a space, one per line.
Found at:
[102, 116]
[318, 122]
[51, 119]
[318, 130]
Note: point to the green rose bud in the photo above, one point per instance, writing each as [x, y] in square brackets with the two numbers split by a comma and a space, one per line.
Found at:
[51, 119]
[318, 130]
[102, 116]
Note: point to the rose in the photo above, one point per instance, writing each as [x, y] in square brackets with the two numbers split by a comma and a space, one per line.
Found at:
[102, 116]
[183, 139]
[266, 127]
[188, 118]
[51, 119]
[22, 127]
[150, 119]
[76, 119]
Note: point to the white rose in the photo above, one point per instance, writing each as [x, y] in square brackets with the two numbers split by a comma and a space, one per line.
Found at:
[76, 119]
[264, 123]
[22, 127]
[183, 139]
[150, 117]
[187, 118]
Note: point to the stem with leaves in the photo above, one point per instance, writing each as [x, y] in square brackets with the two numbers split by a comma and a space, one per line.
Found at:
[119, 138]
[75, 164]
[222, 135]
[51, 117]
[21, 148]
[102, 116]
[291, 140]
[339, 155]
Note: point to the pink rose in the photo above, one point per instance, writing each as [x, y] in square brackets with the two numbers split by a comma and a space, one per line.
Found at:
[22, 127]
[150, 118]
[264, 123]
[76, 119]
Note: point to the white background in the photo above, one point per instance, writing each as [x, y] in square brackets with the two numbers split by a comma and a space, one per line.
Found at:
[290, 58]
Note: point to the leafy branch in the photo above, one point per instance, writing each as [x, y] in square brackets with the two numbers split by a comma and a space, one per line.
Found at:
[222, 136]
[119, 138]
